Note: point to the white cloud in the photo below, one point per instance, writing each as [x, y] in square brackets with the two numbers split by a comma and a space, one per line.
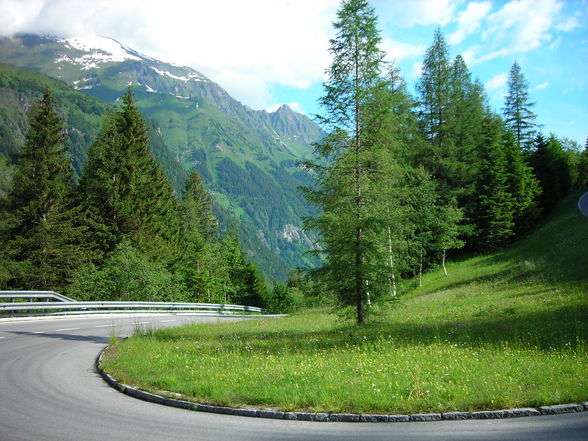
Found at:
[243, 45]
[417, 70]
[469, 20]
[497, 82]
[540, 86]
[568, 24]
[523, 25]
[407, 13]
[397, 50]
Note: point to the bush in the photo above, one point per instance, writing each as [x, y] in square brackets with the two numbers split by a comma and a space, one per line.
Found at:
[127, 275]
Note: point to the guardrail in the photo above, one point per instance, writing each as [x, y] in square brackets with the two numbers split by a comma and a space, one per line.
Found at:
[13, 295]
[74, 307]
[65, 305]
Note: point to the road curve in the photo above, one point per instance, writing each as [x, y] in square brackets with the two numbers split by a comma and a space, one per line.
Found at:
[49, 390]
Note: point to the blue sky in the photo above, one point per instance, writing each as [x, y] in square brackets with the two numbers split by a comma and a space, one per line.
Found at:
[549, 39]
[268, 52]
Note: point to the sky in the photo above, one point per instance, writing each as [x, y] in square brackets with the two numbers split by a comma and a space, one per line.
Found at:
[269, 52]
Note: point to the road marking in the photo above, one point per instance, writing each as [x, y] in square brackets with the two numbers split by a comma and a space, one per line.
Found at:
[2, 338]
[39, 332]
[103, 326]
[167, 321]
[66, 329]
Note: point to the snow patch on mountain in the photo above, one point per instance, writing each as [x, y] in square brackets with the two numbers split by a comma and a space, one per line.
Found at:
[191, 75]
[101, 48]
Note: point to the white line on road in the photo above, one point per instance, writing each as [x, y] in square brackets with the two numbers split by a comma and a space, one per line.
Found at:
[103, 326]
[66, 329]
[2, 338]
[39, 332]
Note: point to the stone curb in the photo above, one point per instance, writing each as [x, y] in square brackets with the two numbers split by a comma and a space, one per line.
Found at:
[337, 417]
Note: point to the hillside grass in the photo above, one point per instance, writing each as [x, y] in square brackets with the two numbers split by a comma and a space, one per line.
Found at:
[503, 330]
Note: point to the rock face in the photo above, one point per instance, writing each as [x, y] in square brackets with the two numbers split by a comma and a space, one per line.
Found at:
[247, 158]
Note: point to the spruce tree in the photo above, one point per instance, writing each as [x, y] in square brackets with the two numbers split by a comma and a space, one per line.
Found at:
[349, 163]
[495, 216]
[552, 170]
[522, 185]
[518, 114]
[199, 231]
[124, 190]
[41, 233]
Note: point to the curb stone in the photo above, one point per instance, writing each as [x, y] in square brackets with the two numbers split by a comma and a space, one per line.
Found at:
[323, 416]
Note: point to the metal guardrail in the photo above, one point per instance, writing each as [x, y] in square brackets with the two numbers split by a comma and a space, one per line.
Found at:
[65, 305]
[91, 307]
[13, 295]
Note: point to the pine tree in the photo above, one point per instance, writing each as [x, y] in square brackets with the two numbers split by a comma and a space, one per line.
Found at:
[518, 115]
[349, 165]
[125, 192]
[41, 234]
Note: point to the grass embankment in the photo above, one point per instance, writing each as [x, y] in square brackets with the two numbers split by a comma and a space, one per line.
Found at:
[501, 331]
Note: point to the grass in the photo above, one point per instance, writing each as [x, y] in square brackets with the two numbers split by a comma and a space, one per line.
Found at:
[501, 331]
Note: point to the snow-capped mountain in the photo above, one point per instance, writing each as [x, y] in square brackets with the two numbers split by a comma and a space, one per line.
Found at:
[247, 158]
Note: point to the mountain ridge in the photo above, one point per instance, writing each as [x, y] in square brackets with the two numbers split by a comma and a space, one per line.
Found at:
[205, 129]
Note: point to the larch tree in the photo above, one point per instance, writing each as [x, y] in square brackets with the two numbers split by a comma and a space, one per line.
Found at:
[518, 115]
[349, 165]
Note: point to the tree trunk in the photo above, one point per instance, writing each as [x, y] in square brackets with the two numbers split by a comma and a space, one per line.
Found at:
[443, 262]
[392, 278]
[421, 268]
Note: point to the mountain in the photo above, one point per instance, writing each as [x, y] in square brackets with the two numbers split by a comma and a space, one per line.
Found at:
[247, 158]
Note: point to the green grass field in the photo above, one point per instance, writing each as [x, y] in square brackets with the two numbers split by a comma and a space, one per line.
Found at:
[501, 331]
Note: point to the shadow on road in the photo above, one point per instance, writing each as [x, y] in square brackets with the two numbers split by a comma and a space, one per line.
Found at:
[63, 336]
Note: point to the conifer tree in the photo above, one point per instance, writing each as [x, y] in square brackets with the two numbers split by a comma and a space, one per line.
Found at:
[495, 216]
[518, 114]
[125, 192]
[551, 169]
[434, 93]
[350, 162]
[40, 233]
[522, 185]
[199, 260]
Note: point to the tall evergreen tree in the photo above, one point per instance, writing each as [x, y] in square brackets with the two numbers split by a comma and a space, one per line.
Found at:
[551, 169]
[350, 161]
[40, 232]
[518, 114]
[124, 190]
[495, 217]
[199, 262]
[522, 185]
[434, 94]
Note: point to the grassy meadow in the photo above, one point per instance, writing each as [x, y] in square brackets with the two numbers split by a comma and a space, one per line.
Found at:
[504, 330]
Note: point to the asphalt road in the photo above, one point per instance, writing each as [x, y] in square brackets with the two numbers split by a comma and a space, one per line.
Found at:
[49, 390]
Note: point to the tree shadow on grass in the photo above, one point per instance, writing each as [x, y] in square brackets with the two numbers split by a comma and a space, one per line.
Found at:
[557, 329]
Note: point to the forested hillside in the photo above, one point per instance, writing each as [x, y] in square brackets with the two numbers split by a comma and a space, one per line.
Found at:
[206, 130]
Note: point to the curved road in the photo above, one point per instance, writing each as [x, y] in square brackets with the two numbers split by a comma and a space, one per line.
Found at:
[49, 390]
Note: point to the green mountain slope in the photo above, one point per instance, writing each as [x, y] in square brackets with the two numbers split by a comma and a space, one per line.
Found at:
[248, 158]
[82, 116]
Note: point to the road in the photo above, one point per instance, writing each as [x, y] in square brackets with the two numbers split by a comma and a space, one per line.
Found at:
[49, 390]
